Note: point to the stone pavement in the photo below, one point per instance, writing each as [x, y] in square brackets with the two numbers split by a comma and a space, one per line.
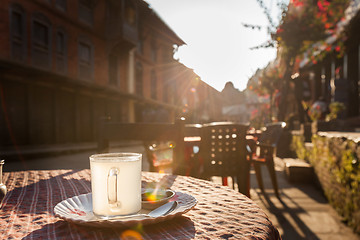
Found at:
[302, 211]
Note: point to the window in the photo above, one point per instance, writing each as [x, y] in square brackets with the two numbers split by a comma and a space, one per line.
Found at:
[166, 92]
[167, 54]
[173, 92]
[153, 51]
[86, 11]
[61, 4]
[17, 32]
[139, 79]
[113, 69]
[85, 60]
[61, 60]
[130, 13]
[140, 46]
[41, 50]
[153, 86]
[41, 34]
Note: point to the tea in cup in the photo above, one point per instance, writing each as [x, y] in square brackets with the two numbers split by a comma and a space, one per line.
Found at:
[116, 184]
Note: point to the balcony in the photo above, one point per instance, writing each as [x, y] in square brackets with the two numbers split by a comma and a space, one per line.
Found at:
[122, 22]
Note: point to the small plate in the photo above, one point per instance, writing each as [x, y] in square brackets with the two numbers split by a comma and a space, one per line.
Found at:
[151, 201]
[78, 210]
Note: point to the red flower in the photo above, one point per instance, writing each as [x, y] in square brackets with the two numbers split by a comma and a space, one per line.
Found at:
[324, 18]
[326, 3]
[254, 112]
[320, 6]
[298, 3]
[337, 48]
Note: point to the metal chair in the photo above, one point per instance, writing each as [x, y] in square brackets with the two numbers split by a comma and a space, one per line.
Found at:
[263, 151]
[192, 145]
[146, 132]
[223, 152]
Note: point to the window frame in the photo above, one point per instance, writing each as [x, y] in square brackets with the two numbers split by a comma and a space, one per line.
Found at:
[167, 56]
[22, 39]
[165, 95]
[153, 50]
[139, 79]
[36, 46]
[130, 15]
[114, 79]
[153, 85]
[140, 46]
[86, 41]
[90, 8]
[61, 56]
[61, 5]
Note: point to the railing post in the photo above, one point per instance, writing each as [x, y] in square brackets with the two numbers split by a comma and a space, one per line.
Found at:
[102, 140]
[179, 150]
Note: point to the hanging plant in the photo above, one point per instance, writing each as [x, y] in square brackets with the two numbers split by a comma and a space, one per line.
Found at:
[306, 24]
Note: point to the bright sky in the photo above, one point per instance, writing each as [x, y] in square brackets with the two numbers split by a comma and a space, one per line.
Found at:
[217, 42]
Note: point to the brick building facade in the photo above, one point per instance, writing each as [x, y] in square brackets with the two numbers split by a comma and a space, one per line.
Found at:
[66, 64]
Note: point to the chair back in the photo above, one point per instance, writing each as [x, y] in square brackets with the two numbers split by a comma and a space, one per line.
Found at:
[223, 148]
[192, 130]
[145, 132]
[271, 134]
[264, 153]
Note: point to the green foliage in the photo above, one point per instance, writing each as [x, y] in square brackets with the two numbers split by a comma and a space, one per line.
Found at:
[298, 146]
[270, 81]
[336, 164]
[335, 108]
[260, 116]
[314, 112]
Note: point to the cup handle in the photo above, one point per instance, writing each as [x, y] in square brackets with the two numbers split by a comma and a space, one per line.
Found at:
[112, 187]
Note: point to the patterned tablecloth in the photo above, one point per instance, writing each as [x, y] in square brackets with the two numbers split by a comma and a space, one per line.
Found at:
[221, 213]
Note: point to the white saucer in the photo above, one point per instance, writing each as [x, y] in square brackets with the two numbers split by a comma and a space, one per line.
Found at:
[78, 209]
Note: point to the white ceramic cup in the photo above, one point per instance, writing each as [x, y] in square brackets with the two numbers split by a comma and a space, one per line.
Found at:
[116, 184]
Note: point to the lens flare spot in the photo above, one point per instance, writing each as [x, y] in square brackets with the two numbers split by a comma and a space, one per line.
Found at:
[131, 235]
[151, 197]
[154, 195]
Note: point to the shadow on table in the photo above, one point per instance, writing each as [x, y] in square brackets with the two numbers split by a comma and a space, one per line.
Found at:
[180, 227]
[36, 195]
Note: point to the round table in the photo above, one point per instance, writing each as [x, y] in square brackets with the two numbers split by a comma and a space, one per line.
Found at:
[221, 213]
